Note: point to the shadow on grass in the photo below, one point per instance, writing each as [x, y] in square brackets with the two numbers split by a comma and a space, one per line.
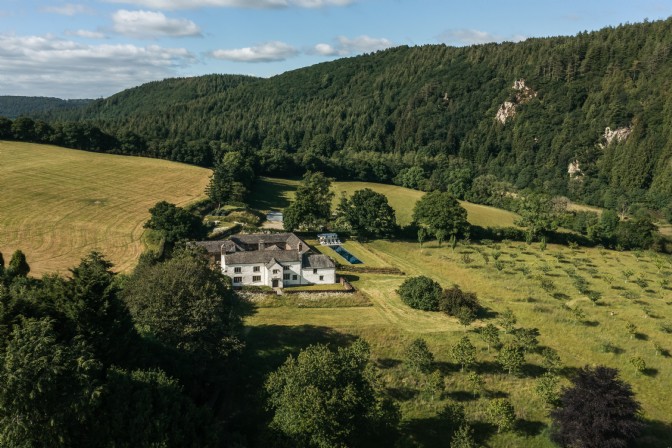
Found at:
[529, 427]
[532, 370]
[402, 393]
[569, 372]
[650, 372]
[387, 363]
[641, 337]
[461, 396]
[590, 323]
[436, 432]
[268, 194]
[350, 277]
[487, 313]
[560, 296]
[656, 434]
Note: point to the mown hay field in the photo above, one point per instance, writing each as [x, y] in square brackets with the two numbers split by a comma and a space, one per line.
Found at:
[59, 204]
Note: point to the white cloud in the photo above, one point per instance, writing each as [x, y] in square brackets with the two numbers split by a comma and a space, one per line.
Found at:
[150, 24]
[51, 66]
[68, 9]
[460, 37]
[345, 46]
[86, 33]
[254, 4]
[268, 52]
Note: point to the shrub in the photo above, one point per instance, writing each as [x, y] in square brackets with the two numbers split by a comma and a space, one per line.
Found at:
[454, 300]
[418, 357]
[421, 293]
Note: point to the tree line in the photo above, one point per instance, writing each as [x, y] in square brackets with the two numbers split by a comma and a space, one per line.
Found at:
[425, 116]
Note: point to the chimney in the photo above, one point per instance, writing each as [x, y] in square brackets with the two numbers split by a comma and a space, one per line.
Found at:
[300, 247]
[261, 244]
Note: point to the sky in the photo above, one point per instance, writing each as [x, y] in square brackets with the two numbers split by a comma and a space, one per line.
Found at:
[95, 48]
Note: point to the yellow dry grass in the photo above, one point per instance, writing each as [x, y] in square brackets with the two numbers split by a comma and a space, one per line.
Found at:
[59, 204]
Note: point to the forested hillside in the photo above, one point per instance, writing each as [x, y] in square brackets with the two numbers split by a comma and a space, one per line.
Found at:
[15, 106]
[435, 116]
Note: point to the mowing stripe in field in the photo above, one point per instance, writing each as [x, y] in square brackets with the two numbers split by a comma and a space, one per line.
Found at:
[59, 204]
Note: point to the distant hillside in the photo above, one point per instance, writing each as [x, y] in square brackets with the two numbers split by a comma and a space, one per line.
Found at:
[15, 106]
[534, 114]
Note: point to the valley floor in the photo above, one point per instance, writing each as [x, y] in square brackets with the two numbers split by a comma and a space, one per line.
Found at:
[540, 287]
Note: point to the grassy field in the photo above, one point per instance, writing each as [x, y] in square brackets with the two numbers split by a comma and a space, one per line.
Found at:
[542, 287]
[272, 194]
[59, 204]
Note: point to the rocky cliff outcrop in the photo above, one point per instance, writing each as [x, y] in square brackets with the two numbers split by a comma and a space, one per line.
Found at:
[618, 135]
[523, 94]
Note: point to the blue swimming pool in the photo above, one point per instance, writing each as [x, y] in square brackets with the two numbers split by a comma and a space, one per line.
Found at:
[347, 255]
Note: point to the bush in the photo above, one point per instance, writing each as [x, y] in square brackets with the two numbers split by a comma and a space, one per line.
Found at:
[421, 293]
[454, 300]
[244, 217]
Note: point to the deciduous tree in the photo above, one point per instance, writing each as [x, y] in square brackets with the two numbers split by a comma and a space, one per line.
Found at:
[327, 398]
[311, 208]
[369, 213]
[442, 213]
[418, 357]
[598, 411]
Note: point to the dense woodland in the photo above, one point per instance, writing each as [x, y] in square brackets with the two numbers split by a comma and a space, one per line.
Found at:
[430, 109]
[16, 106]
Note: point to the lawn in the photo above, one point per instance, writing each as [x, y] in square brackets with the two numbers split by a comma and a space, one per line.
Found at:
[542, 289]
[59, 204]
[273, 194]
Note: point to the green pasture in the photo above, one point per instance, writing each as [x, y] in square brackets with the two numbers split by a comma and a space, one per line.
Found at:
[59, 204]
[274, 194]
[633, 289]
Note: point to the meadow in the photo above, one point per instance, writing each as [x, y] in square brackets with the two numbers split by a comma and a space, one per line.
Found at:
[274, 194]
[546, 288]
[59, 204]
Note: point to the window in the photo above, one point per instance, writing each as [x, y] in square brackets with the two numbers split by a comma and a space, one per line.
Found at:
[294, 277]
[237, 279]
[237, 270]
[314, 271]
[256, 278]
[285, 268]
[321, 277]
[256, 268]
[275, 271]
[286, 277]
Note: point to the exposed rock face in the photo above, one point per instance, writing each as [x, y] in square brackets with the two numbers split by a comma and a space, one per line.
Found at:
[619, 135]
[523, 95]
[574, 170]
[506, 111]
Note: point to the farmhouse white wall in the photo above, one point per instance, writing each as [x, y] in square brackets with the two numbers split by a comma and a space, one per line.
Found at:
[329, 276]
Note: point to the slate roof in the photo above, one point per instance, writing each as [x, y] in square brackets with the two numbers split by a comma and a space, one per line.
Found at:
[317, 261]
[262, 256]
[215, 247]
[281, 239]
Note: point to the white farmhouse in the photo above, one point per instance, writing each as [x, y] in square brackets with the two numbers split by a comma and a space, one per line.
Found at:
[276, 260]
